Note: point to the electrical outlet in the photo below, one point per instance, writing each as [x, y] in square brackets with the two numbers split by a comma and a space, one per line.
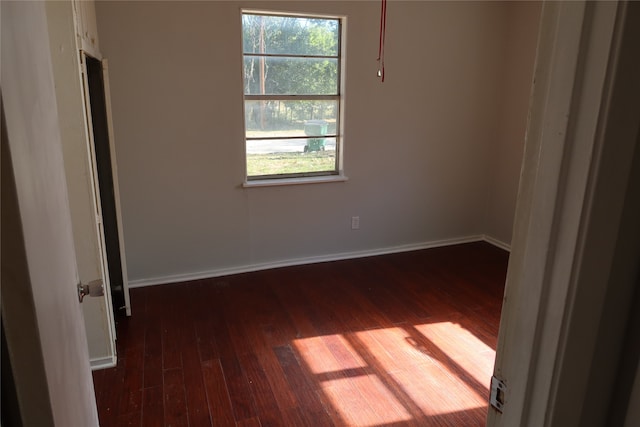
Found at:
[355, 222]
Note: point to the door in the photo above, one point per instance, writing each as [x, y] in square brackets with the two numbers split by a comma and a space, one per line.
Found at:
[41, 315]
[105, 179]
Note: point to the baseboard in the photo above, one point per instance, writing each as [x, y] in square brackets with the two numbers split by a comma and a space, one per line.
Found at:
[496, 242]
[103, 363]
[308, 260]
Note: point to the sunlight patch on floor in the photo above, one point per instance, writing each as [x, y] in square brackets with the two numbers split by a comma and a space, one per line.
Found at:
[389, 375]
[364, 401]
[464, 348]
[418, 366]
[319, 357]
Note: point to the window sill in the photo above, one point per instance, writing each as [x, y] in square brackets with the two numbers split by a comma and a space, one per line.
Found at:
[294, 181]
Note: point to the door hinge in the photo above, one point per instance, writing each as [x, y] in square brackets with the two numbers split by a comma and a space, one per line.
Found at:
[498, 390]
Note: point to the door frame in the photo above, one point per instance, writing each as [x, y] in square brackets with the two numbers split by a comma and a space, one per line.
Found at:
[97, 198]
[571, 236]
[104, 267]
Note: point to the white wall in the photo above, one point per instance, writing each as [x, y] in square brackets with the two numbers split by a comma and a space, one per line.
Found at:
[504, 171]
[418, 148]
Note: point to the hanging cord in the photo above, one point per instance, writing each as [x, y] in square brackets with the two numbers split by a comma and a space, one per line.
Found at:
[383, 31]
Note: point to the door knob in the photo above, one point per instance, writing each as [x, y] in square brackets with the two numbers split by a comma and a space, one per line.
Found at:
[95, 288]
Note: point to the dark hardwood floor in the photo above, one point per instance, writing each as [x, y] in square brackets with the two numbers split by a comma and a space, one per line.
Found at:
[397, 340]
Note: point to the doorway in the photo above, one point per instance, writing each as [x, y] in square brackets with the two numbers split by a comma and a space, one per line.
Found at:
[100, 126]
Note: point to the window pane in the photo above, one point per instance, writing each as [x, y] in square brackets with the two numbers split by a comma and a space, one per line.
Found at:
[291, 156]
[290, 76]
[265, 119]
[289, 35]
[291, 58]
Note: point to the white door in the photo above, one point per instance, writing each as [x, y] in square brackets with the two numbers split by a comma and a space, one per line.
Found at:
[105, 180]
[40, 308]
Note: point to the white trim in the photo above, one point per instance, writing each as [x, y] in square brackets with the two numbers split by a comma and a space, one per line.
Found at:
[338, 97]
[116, 185]
[295, 181]
[301, 261]
[495, 242]
[103, 363]
[289, 13]
[95, 190]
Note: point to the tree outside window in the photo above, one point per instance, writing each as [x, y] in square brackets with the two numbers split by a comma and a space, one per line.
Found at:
[291, 70]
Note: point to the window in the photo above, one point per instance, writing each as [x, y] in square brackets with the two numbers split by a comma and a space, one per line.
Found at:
[292, 86]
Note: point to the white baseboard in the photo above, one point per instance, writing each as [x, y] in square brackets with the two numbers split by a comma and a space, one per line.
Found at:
[308, 260]
[103, 363]
[496, 242]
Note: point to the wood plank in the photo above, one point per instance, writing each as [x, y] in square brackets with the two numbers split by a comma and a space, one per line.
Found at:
[153, 355]
[264, 398]
[218, 400]
[251, 422]
[370, 341]
[197, 405]
[309, 401]
[130, 420]
[175, 402]
[113, 389]
[285, 398]
[241, 398]
[131, 397]
[152, 407]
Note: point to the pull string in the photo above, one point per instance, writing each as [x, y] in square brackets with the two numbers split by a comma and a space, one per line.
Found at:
[383, 31]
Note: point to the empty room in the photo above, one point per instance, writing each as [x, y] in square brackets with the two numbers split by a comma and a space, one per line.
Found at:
[363, 213]
[254, 299]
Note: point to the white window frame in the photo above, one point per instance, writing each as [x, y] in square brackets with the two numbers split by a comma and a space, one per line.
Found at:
[335, 175]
